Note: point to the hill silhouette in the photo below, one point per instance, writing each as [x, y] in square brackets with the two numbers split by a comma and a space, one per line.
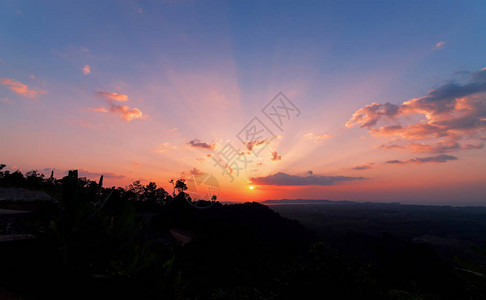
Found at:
[143, 242]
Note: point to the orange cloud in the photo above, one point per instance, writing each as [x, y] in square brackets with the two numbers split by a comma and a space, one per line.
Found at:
[253, 144]
[99, 109]
[126, 113]
[86, 69]
[440, 45]
[113, 96]
[20, 88]
[275, 156]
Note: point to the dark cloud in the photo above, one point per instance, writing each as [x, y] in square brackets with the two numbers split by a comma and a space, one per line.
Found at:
[198, 144]
[420, 160]
[195, 171]
[363, 166]
[435, 147]
[283, 179]
[395, 161]
[391, 146]
[93, 175]
[192, 172]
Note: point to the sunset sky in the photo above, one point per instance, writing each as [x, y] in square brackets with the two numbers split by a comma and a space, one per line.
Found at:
[387, 100]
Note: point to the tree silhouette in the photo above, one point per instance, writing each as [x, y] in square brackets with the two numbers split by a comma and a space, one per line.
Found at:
[179, 184]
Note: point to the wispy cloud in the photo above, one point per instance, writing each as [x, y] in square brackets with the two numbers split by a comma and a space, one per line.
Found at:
[317, 138]
[202, 159]
[165, 147]
[283, 179]
[20, 88]
[363, 166]
[99, 109]
[113, 96]
[391, 146]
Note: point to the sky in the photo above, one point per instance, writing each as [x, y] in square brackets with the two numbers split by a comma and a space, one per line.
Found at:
[379, 101]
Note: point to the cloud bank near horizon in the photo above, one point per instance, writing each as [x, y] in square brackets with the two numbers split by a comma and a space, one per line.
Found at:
[284, 179]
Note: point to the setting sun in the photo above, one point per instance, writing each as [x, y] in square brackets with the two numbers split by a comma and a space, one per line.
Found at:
[251, 187]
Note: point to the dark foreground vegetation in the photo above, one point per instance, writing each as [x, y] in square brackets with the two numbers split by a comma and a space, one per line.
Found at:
[142, 242]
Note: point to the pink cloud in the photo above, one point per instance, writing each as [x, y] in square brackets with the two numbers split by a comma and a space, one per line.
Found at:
[87, 125]
[165, 147]
[20, 88]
